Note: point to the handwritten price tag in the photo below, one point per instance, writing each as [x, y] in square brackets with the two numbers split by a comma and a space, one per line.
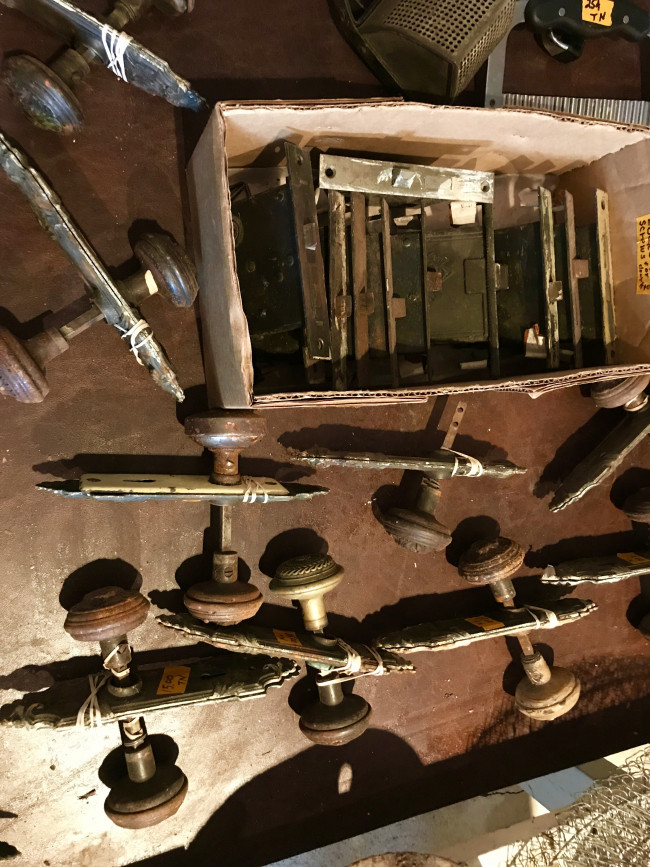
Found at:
[643, 255]
[174, 680]
[484, 623]
[598, 11]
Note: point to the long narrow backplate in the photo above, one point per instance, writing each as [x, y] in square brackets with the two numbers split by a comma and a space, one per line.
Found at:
[142, 487]
[122, 55]
[340, 300]
[166, 686]
[102, 289]
[443, 463]
[606, 275]
[552, 287]
[298, 646]
[447, 634]
[317, 344]
[575, 268]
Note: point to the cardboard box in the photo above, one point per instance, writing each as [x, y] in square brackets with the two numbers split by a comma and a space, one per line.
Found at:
[585, 154]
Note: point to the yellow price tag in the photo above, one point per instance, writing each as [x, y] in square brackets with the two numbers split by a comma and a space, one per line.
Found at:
[634, 559]
[643, 255]
[285, 637]
[174, 680]
[598, 11]
[484, 623]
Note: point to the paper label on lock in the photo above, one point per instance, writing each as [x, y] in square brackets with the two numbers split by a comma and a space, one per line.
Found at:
[174, 680]
[484, 623]
[643, 255]
[634, 559]
[285, 637]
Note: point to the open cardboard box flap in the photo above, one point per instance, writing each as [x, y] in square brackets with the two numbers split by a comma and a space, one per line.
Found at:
[585, 153]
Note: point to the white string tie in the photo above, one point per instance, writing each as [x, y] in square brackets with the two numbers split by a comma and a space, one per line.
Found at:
[352, 664]
[115, 45]
[351, 668]
[476, 468]
[114, 652]
[91, 704]
[133, 333]
[253, 490]
[550, 623]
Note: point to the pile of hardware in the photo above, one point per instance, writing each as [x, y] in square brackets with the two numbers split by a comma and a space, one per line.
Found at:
[368, 274]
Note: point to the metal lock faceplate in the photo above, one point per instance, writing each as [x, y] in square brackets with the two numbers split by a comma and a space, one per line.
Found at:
[267, 262]
[456, 299]
[522, 304]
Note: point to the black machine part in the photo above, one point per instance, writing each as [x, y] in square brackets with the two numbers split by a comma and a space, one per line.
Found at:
[427, 49]
[561, 30]
[563, 26]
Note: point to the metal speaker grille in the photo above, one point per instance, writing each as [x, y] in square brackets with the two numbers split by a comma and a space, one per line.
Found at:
[486, 44]
[465, 31]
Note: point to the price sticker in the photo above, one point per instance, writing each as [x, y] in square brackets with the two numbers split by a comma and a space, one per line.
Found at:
[643, 255]
[285, 637]
[484, 623]
[634, 559]
[598, 12]
[174, 680]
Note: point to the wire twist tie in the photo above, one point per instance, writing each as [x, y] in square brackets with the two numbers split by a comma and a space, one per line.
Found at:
[133, 333]
[253, 490]
[91, 704]
[476, 468]
[114, 652]
[550, 623]
[351, 668]
[115, 45]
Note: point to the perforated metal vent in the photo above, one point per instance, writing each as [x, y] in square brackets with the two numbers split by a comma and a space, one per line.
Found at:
[463, 31]
[486, 45]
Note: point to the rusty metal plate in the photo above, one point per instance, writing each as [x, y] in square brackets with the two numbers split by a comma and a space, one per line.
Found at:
[385, 179]
[314, 294]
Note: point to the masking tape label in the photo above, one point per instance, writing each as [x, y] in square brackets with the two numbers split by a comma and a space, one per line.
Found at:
[285, 637]
[174, 680]
[634, 559]
[643, 255]
[598, 12]
[484, 623]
